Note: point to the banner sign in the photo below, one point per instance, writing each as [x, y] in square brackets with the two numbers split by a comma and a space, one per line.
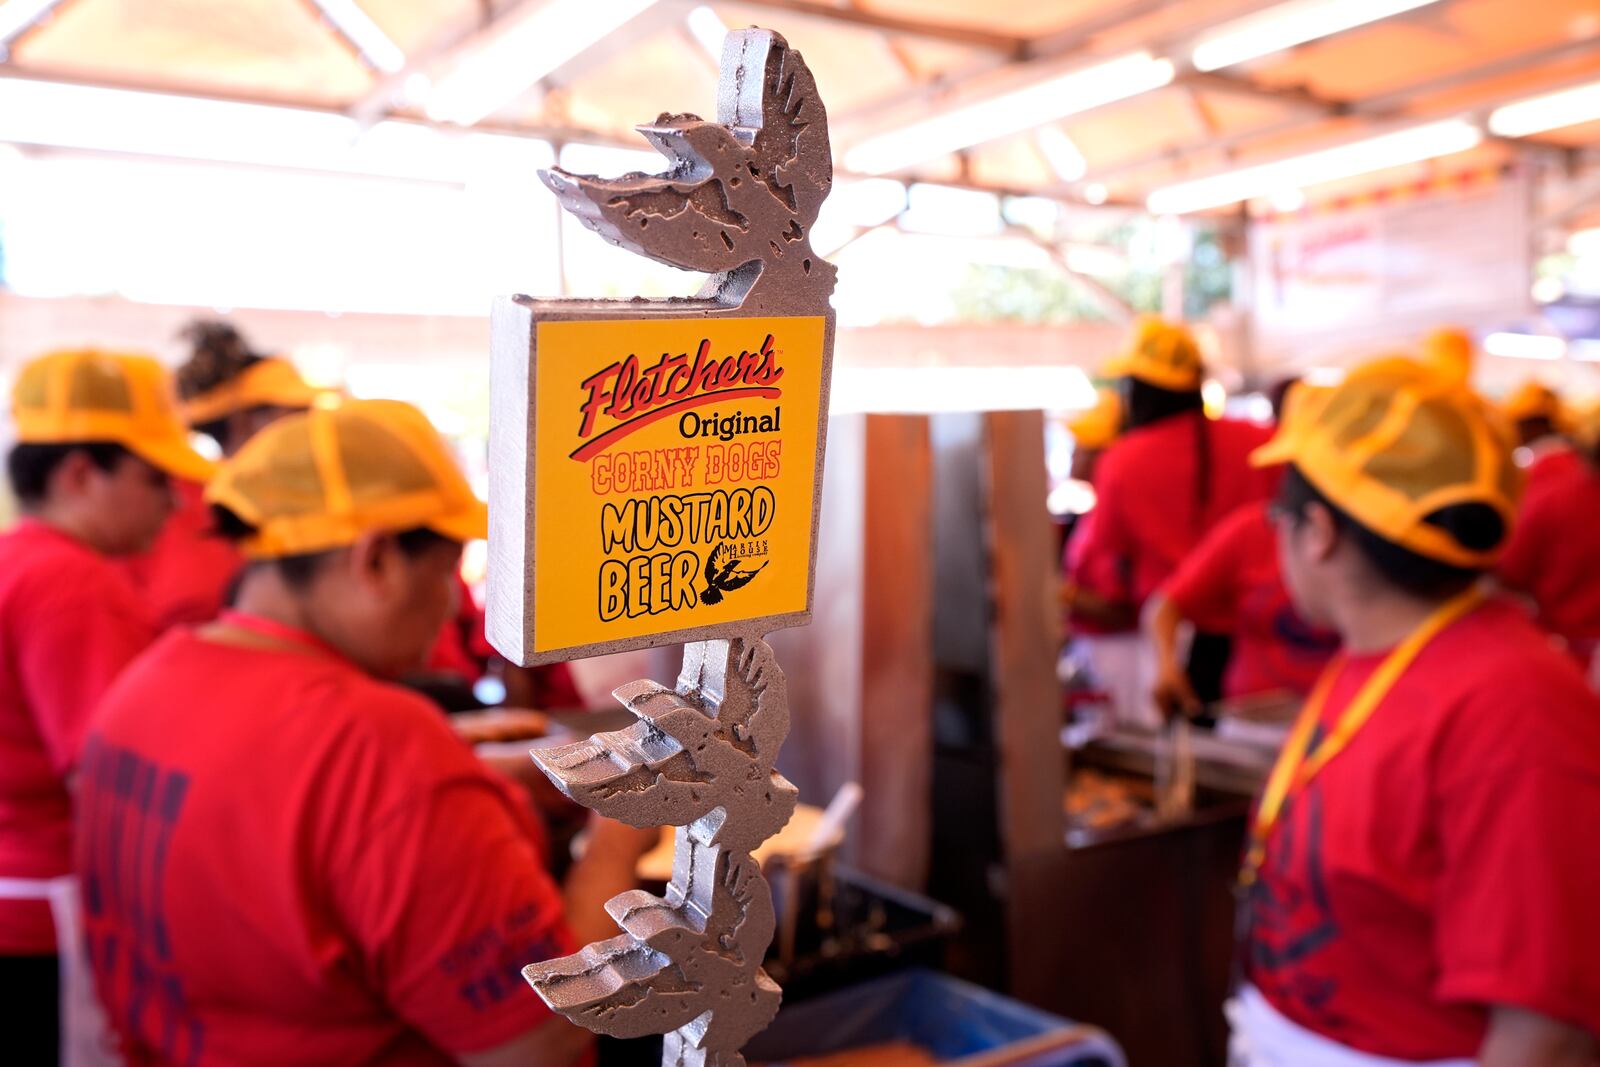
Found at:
[674, 474]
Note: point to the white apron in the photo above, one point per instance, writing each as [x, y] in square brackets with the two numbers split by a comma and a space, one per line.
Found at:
[1263, 1037]
[84, 1035]
[1125, 667]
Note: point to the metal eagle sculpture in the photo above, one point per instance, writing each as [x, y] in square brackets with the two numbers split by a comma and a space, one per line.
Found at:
[739, 202]
[742, 193]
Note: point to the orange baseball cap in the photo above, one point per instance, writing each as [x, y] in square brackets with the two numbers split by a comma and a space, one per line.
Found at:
[1448, 351]
[271, 382]
[1100, 425]
[1395, 442]
[1159, 353]
[85, 395]
[319, 480]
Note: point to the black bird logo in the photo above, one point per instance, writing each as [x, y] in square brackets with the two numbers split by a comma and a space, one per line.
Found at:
[723, 575]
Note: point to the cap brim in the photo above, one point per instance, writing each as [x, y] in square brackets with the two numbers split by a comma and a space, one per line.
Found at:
[175, 457]
[469, 524]
[1282, 448]
[1120, 366]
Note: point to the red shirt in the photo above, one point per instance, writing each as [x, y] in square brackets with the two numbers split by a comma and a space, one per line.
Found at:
[1148, 515]
[1442, 862]
[186, 574]
[463, 649]
[1554, 553]
[69, 624]
[286, 861]
[1231, 584]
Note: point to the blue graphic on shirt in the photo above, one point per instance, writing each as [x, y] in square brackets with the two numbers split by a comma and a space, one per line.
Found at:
[131, 806]
[1291, 921]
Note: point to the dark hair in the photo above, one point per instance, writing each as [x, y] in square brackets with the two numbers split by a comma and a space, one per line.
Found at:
[1278, 395]
[1148, 404]
[299, 571]
[29, 466]
[218, 353]
[1474, 526]
[1536, 426]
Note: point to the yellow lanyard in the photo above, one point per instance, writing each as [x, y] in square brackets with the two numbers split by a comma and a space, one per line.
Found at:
[1293, 770]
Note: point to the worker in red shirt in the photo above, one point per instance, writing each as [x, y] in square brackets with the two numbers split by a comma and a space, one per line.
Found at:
[229, 393]
[1171, 477]
[1103, 645]
[1554, 554]
[1232, 584]
[1418, 887]
[98, 440]
[285, 857]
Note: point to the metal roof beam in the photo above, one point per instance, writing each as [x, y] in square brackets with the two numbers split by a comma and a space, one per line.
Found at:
[450, 39]
[1383, 106]
[18, 18]
[1005, 44]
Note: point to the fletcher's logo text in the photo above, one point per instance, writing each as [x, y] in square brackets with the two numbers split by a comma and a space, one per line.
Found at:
[635, 395]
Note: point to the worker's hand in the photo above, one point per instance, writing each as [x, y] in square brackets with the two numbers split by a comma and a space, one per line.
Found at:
[499, 724]
[1174, 693]
[619, 841]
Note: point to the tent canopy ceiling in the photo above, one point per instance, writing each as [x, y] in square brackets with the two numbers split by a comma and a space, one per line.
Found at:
[880, 64]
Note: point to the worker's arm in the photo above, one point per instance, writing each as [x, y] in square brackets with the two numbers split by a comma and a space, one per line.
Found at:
[1174, 693]
[1520, 1038]
[607, 867]
[1091, 606]
[556, 1043]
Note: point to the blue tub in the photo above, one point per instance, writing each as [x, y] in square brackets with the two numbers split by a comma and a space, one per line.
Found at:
[961, 1024]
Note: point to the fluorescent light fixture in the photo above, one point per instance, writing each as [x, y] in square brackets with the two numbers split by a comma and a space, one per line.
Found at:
[17, 15]
[156, 124]
[1547, 290]
[520, 56]
[947, 210]
[1037, 213]
[1358, 157]
[1095, 193]
[1290, 24]
[1584, 243]
[1288, 201]
[368, 37]
[1548, 112]
[707, 27]
[960, 388]
[1525, 346]
[583, 158]
[1010, 113]
[1062, 155]
[865, 202]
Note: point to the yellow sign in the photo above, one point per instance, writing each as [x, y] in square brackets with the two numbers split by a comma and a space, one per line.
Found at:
[675, 467]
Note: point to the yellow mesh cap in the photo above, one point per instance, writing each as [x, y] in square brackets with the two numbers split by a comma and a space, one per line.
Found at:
[1535, 400]
[319, 480]
[1448, 352]
[271, 382]
[1396, 442]
[1100, 425]
[1159, 353]
[89, 395]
